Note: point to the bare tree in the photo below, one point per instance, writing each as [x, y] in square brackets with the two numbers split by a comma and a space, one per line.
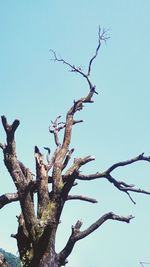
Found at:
[37, 227]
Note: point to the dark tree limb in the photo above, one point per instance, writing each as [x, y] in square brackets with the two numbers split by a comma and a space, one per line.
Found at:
[76, 165]
[122, 186]
[13, 197]
[9, 129]
[103, 174]
[2, 146]
[101, 37]
[98, 223]
[84, 198]
[140, 157]
[77, 234]
[68, 157]
[126, 187]
[52, 160]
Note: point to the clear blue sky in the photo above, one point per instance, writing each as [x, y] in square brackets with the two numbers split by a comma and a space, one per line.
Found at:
[116, 127]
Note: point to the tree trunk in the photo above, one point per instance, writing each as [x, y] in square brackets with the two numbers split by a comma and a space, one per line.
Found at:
[49, 259]
[44, 254]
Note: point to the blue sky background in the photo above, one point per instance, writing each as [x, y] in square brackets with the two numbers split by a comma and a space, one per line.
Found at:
[116, 127]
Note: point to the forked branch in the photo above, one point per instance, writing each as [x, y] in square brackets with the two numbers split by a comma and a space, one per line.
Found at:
[77, 234]
[102, 36]
[122, 186]
[61, 155]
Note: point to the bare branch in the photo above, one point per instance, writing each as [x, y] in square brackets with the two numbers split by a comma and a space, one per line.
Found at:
[8, 198]
[84, 198]
[72, 67]
[99, 222]
[128, 162]
[68, 157]
[77, 106]
[125, 187]
[52, 160]
[48, 153]
[54, 128]
[2, 146]
[88, 177]
[77, 234]
[77, 164]
[97, 175]
[101, 37]
[122, 186]
[10, 129]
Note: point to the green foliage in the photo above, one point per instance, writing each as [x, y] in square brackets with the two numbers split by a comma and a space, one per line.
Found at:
[11, 259]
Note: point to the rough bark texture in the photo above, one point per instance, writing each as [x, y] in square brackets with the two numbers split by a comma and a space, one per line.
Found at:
[37, 227]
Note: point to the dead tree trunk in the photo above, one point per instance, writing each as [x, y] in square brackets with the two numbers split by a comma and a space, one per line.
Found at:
[37, 227]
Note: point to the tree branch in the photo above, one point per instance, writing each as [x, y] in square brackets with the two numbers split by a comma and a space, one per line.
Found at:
[54, 128]
[77, 106]
[9, 129]
[101, 37]
[77, 234]
[2, 146]
[122, 186]
[99, 222]
[68, 157]
[76, 165]
[140, 157]
[21, 176]
[126, 187]
[52, 160]
[84, 198]
[8, 198]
